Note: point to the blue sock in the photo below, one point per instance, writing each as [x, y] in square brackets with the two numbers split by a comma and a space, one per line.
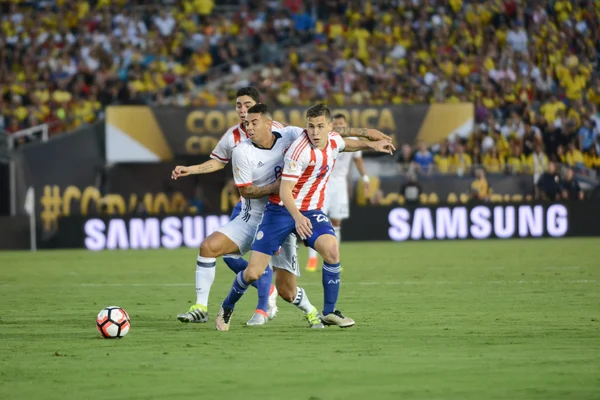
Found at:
[331, 286]
[237, 291]
[238, 265]
[264, 288]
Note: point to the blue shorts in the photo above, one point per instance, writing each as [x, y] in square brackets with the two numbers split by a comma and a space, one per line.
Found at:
[277, 224]
[236, 210]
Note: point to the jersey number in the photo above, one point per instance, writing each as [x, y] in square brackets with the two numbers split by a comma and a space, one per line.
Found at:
[278, 170]
[323, 171]
[322, 218]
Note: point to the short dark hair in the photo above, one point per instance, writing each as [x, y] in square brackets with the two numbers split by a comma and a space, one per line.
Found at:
[248, 91]
[317, 110]
[339, 115]
[260, 108]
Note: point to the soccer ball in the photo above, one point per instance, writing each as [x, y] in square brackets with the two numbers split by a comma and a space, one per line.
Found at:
[113, 322]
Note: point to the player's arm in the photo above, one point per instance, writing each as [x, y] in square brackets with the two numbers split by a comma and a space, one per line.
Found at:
[370, 134]
[381, 146]
[219, 159]
[204, 168]
[256, 192]
[360, 166]
[242, 176]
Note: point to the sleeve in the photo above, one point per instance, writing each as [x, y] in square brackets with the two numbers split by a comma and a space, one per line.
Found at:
[339, 141]
[294, 167]
[224, 149]
[242, 168]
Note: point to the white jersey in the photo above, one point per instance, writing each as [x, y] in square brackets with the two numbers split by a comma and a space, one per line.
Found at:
[260, 167]
[231, 139]
[310, 168]
[342, 165]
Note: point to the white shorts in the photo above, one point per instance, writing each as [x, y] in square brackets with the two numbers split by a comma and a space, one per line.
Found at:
[287, 259]
[242, 233]
[337, 204]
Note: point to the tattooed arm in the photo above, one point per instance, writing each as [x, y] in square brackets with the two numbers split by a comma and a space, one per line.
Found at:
[204, 168]
[256, 192]
[371, 134]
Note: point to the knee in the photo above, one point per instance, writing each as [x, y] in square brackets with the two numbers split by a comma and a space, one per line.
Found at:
[209, 248]
[252, 274]
[331, 253]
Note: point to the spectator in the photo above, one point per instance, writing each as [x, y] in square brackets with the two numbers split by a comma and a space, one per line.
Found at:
[587, 135]
[411, 190]
[480, 189]
[574, 157]
[548, 187]
[423, 158]
[570, 187]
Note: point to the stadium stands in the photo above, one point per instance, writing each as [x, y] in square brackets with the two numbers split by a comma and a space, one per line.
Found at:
[529, 67]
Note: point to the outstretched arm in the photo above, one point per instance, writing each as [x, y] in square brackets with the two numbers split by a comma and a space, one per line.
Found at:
[371, 134]
[382, 146]
[204, 168]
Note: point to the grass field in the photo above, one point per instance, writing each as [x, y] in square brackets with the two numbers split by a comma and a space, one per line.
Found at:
[444, 320]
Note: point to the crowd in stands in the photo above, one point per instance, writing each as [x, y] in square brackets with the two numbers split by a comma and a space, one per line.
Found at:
[529, 67]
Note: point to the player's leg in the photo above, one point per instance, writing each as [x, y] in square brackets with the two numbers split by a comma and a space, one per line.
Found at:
[286, 270]
[235, 262]
[215, 245]
[287, 255]
[324, 241]
[256, 267]
[275, 226]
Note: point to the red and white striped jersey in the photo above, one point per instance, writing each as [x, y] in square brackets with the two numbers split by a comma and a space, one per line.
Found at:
[310, 168]
[231, 139]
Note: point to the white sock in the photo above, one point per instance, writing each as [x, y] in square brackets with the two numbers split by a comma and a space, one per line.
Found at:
[301, 301]
[205, 276]
[338, 233]
[312, 253]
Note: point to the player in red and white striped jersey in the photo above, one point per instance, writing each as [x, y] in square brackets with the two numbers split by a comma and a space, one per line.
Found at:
[219, 243]
[307, 166]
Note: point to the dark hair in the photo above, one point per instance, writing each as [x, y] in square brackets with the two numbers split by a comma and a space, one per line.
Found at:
[339, 115]
[317, 110]
[248, 91]
[260, 108]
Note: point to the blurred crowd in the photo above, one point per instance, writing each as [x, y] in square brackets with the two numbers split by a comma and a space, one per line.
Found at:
[63, 61]
[530, 67]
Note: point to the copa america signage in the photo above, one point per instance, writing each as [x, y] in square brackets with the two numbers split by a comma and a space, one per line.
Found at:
[479, 222]
[150, 233]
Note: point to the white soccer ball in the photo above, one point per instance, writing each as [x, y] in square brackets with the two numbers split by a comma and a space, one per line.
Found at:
[113, 322]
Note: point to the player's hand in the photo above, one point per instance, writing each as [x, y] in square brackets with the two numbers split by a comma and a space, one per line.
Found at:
[383, 146]
[366, 187]
[375, 135]
[303, 227]
[180, 171]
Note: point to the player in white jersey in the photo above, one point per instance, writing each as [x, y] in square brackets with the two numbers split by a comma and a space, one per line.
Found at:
[225, 243]
[337, 202]
[307, 167]
[259, 163]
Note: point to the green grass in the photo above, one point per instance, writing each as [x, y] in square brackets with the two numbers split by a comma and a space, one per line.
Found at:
[444, 320]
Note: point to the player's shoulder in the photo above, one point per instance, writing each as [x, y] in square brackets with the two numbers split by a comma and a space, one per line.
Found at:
[244, 146]
[277, 125]
[299, 147]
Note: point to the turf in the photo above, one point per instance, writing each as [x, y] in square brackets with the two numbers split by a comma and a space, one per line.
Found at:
[436, 320]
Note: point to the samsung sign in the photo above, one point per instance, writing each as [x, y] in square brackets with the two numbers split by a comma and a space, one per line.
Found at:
[150, 233]
[478, 222]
